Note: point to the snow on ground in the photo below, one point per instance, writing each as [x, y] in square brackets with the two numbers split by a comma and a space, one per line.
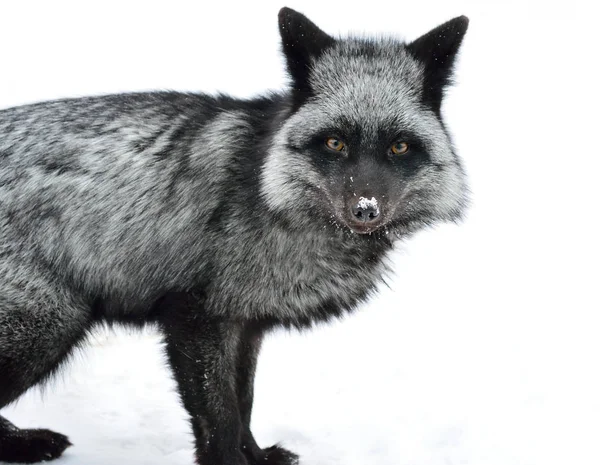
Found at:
[484, 351]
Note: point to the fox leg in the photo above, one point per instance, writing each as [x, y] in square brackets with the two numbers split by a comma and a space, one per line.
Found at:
[202, 352]
[40, 323]
[249, 348]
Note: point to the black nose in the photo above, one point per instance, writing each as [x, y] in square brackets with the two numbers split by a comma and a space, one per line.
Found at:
[366, 210]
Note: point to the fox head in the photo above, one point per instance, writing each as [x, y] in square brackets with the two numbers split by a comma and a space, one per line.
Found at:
[362, 145]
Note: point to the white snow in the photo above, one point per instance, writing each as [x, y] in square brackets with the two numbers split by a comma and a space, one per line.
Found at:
[483, 351]
[366, 203]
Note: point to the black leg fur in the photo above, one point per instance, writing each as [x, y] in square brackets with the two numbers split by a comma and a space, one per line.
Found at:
[249, 349]
[202, 353]
[29, 445]
[39, 326]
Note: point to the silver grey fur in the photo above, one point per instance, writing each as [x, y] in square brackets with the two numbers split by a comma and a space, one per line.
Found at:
[108, 218]
[370, 92]
[218, 218]
[113, 222]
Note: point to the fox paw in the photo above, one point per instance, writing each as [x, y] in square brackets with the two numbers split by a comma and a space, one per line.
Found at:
[276, 455]
[32, 445]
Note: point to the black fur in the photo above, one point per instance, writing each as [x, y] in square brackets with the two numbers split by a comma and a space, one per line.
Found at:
[30, 445]
[437, 50]
[302, 42]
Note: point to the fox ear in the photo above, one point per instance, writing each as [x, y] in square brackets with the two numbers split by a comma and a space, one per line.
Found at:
[437, 50]
[302, 42]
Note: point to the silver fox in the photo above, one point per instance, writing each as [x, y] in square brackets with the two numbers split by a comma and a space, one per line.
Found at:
[218, 219]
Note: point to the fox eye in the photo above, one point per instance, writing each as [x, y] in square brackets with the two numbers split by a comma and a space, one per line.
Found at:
[335, 144]
[400, 148]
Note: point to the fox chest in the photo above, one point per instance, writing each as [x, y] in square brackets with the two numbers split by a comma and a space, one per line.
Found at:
[298, 282]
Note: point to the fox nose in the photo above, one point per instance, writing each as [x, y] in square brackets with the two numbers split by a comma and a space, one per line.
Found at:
[366, 210]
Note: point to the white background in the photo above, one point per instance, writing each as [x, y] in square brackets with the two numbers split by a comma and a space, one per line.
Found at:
[485, 349]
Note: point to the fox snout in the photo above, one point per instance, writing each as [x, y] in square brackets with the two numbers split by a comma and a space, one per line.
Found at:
[363, 216]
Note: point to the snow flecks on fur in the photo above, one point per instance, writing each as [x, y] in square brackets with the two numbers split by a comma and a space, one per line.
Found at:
[368, 203]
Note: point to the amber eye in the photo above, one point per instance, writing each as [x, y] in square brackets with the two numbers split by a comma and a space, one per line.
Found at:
[334, 144]
[400, 148]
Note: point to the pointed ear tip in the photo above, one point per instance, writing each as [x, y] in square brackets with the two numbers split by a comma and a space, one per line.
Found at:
[462, 22]
[285, 12]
